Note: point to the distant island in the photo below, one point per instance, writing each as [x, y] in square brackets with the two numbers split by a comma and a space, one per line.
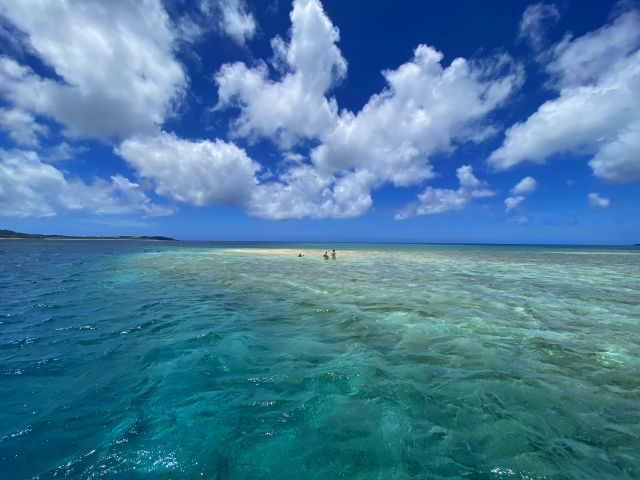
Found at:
[12, 234]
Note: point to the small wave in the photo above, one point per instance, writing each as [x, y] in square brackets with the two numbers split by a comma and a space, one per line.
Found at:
[76, 327]
[559, 252]
[17, 434]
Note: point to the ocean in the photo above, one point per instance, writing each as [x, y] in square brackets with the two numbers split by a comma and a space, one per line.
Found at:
[132, 359]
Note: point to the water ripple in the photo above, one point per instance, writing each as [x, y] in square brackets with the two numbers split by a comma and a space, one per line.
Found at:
[195, 361]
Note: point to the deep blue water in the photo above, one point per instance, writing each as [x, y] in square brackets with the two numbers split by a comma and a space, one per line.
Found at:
[195, 360]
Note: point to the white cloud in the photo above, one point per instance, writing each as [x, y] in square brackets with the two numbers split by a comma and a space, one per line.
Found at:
[302, 191]
[117, 196]
[426, 108]
[115, 77]
[114, 65]
[31, 188]
[228, 17]
[21, 127]
[597, 111]
[62, 151]
[524, 187]
[533, 22]
[189, 29]
[618, 160]
[439, 200]
[203, 172]
[198, 172]
[295, 107]
[598, 202]
[236, 21]
[523, 220]
[513, 202]
[591, 58]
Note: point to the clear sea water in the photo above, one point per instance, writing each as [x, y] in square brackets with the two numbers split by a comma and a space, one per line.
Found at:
[185, 360]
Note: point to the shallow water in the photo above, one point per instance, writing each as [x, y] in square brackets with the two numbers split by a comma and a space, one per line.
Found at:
[184, 360]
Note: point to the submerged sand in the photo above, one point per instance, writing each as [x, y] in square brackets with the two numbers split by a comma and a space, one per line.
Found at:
[286, 251]
[312, 253]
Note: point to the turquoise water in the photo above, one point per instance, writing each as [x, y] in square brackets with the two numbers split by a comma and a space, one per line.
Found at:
[180, 360]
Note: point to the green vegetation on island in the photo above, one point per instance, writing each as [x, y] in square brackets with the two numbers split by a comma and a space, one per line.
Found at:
[12, 234]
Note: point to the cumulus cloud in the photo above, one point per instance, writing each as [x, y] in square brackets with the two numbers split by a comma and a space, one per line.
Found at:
[32, 188]
[303, 191]
[512, 202]
[199, 172]
[115, 72]
[439, 200]
[426, 108]
[524, 187]
[236, 21]
[423, 110]
[112, 75]
[597, 110]
[598, 202]
[294, 107]
[618, 160]
[231, 17]
[61, 151]
[534, 19]
[21, 127]
[204, 172]
[595, 56]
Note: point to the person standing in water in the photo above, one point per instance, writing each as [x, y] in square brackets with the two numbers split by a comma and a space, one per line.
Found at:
[325, 256]
[333, 254]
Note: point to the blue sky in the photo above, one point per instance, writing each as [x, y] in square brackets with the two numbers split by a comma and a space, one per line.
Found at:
[466, 121]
